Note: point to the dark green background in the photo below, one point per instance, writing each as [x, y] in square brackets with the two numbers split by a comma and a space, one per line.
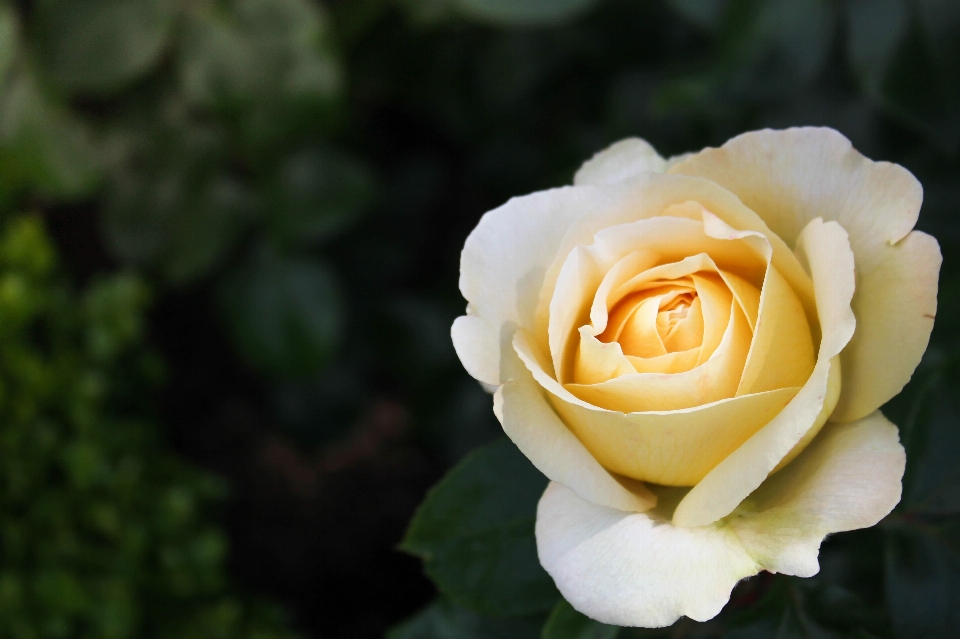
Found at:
[229, 242]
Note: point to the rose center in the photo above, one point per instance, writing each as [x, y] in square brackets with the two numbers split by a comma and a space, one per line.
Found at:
[662, 319]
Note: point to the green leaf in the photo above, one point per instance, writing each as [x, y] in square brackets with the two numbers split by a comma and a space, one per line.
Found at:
[158, 219]
[444, 620]
[318, 194]
[41, 146]
[474, 532]
[265, 66]
[523, 12]
[566, 623]
[169, 204]
[282, 313]
[100, 45]
[923, 581]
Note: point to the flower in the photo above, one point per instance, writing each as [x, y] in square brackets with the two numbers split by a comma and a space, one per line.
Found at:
[694, 352]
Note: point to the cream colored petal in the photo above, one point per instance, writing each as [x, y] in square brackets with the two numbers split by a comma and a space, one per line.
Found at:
[715, 379]
[619, 161]
[826, 251]
[529, 421]
[670, 363]
[716, 303]
[848, 478]
[504, 260]
[629, 569]
[895, 305]
[637, 333]
[580, 277]
[782, 352]
[672, 448]
[682, 247]
[597, 362]
[634, 570]
[647, 196]
[686, 333]
[477, 342]
[791, 177]
[623, 270]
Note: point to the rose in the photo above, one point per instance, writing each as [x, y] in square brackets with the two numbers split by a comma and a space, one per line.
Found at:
[694, 352]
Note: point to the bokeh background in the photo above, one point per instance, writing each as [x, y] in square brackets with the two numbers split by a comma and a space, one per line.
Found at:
[229, 244]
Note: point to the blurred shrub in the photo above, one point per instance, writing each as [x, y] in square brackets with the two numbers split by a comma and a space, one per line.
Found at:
[206, 129]
[104, 534]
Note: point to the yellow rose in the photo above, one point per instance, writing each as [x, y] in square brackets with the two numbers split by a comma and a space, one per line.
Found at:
[694, 352]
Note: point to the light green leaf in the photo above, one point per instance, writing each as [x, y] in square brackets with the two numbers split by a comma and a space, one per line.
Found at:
[100, 45]
[566, 623]
[40, 145]
[444, 620]
[283, 314]
[265, 50]
[474, 532]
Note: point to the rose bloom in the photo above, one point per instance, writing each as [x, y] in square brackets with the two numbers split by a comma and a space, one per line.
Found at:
[694, 352]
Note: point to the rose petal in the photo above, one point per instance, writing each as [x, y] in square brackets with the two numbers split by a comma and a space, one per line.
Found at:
[848, 478]
[675, 448]
[791, 177]
[715, 379]
[895, 305]
[631, 569]
[672, 241]
[621, 160]
[830, 260]
[530, 422]
[505, 257]
[477, 344]
[782, 352]
[648, 196]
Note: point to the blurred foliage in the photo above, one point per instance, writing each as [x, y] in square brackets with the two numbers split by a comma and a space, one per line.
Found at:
[312, 167]
[103, 532]
[205, 128]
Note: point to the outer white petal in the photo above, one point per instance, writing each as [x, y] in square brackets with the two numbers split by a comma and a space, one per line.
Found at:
[477, 342]
[534, 427]
[633, 569]
[505, 258]
[830, 261]
[848, 478]
[895, 305]
[620, 161]
[794, 176]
